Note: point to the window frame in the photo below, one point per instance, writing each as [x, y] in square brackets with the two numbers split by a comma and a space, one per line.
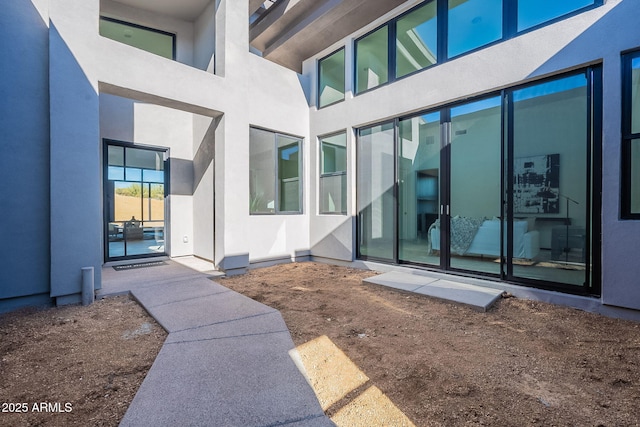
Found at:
[627, 136]
[509, 31]
[344, 173]
[319, 74]
[143, 27]
[276, 182]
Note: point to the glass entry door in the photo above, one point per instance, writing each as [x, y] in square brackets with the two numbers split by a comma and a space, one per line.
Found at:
[134, 191]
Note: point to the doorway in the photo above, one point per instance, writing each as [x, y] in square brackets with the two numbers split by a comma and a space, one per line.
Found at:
[135, 221]
[505, 186]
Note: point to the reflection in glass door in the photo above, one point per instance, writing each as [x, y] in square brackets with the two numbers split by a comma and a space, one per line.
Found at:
[549, 186]
[134, 192]
[475, 225]
[375, 192]
[419, 189]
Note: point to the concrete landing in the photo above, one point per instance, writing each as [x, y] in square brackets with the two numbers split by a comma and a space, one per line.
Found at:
[477, 297]
[225, 362]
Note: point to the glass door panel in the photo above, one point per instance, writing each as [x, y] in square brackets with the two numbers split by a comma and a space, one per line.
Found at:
[419, 189]
[549, 193]
[475, 176]
[375, 192]
[134, 202]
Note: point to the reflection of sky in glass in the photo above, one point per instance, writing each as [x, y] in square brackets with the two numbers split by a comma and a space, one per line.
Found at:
[430, 118]
[429, 35]
[484, 104]
[635, 63]
[133, 174]
[152, 176]
[555, 86]
[116, 173]
[534, 12]
[473, 23]
[286, 153]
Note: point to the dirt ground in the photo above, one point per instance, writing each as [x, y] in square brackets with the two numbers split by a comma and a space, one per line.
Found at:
[74, 365]
[521, 363]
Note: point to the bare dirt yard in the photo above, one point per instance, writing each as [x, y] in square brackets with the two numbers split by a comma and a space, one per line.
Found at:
[523, 363]
[74, 366]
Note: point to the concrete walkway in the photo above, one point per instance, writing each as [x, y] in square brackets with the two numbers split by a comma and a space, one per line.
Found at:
[225, 361]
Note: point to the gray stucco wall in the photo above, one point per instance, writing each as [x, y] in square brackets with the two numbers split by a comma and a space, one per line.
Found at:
[24, 164]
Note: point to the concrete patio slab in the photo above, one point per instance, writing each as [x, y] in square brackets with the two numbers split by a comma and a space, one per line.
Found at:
[476, 297]
[399, 280]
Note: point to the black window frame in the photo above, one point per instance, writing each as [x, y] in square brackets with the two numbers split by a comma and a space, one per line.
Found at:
[627, 136]
[321, 174]
[143, 27]
[276, 210]
[509, 31]
[344, 71]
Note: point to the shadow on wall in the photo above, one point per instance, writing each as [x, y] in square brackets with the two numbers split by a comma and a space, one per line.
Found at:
[338, 243]
[24, 164]
[76, 209]
[609, 27]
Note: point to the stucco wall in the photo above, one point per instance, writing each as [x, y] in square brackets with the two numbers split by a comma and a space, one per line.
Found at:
[591, 37]
[24, 164]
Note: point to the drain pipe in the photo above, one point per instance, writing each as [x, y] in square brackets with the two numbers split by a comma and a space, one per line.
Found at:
[88, 289]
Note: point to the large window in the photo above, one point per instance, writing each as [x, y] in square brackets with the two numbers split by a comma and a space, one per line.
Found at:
[472, 24]
[331, 79]
[372, 60]
[275, 167]
[631, 137]
[333, 174]
[439, 30]
[417, 40]
[536, 12]
[154, 41]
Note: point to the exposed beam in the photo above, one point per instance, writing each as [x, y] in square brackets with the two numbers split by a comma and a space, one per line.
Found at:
[254, 5]
[321, 26]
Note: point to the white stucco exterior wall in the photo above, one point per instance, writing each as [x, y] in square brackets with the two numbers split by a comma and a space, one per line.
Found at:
[592, 37]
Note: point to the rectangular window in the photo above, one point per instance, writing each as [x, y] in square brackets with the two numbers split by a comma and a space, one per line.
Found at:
[154, 41]
[372, 60]
[535, 12]
[333, 174]
[417, 40]
[331, 79]
[275, 167]
[473, 24]
[631, 137]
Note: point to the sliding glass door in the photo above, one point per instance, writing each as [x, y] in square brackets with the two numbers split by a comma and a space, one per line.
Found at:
[134, 193]
[504, 186]
[376, 192]
[419, 188]
[474, 208]
[549, 191]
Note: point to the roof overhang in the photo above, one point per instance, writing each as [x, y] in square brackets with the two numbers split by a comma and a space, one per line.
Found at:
[291, 31]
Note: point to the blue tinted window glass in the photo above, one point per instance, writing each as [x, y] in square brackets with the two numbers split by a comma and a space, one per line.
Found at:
[134, 174]
[635, 95]
[535, 12]
[116, 173]
[472, 24]
[152, 176]
[417, 40]
[549, 88]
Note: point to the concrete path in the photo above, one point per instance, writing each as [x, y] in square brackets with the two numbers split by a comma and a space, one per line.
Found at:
[225, 361]
[477, 297]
